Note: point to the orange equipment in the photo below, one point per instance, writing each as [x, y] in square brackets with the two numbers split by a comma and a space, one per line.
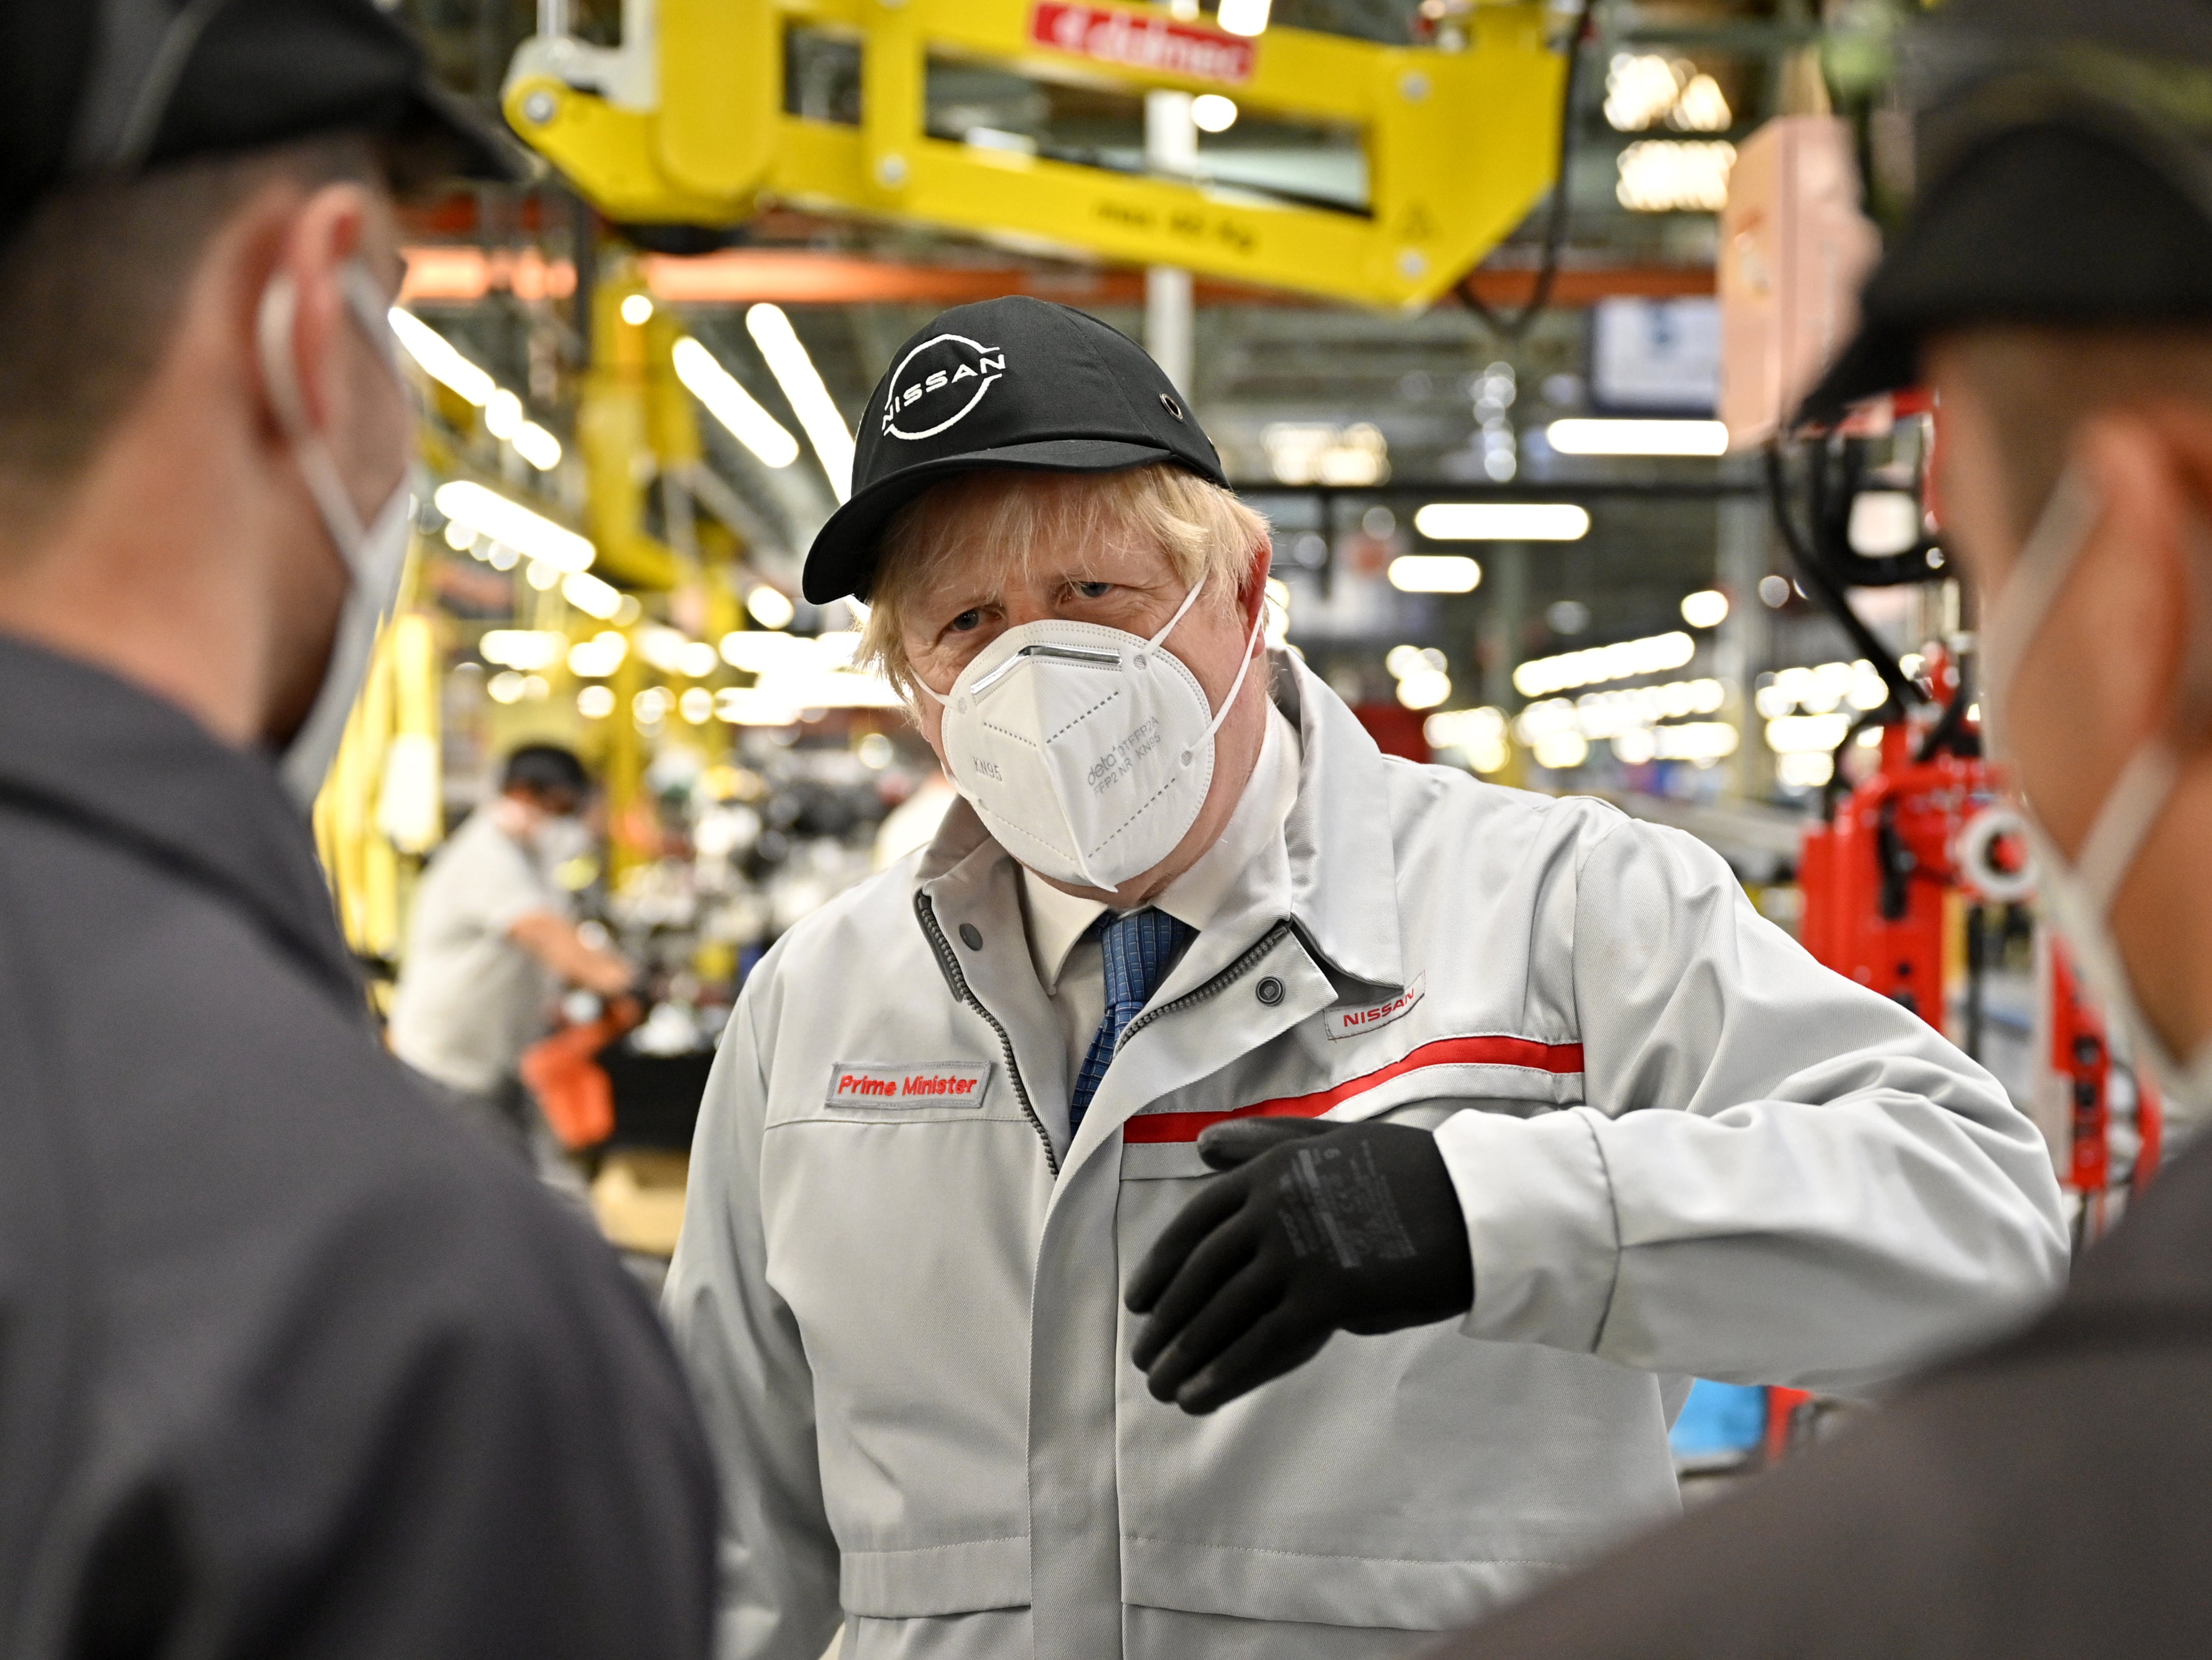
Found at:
[572, 1087]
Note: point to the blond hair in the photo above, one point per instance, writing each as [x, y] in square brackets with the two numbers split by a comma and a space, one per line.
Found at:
[1205, 531]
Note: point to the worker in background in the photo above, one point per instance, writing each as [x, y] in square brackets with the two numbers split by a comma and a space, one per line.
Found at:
[292, 1365]
[2051, 1496]
[957, 1111]
[492, 938]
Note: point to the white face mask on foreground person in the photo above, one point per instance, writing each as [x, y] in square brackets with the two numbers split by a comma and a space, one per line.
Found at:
[1091, 748]
[2080, 894]
[375, 554]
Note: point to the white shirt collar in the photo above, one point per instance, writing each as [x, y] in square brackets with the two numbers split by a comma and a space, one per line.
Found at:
[1058, 921]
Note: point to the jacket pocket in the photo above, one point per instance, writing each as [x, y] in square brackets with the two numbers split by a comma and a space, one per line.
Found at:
[966, 1577]
[1416, 1480]
[1250, 1581]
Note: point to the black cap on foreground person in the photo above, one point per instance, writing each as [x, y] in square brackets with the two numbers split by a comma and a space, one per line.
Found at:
[2052, 1495]
[289, 1364]
[1009, 383]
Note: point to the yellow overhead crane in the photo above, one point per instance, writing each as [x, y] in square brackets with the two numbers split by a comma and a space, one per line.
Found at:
[685, 123]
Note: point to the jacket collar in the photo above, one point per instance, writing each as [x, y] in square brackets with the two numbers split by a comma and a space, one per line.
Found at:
[1344, 866]
[1343, 873]
[84, 748]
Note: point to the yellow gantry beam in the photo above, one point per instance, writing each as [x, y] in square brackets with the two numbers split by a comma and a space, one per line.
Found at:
[1459, 145]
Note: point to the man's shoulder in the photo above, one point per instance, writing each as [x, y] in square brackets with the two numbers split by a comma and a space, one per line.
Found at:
[871, 927]
[1492, 831]
[1419, 788]
[180, 1035]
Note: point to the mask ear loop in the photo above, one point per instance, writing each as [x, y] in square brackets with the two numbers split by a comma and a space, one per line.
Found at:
[2053, 548]
[1144, 652]
[1251, 643]
[273, 327]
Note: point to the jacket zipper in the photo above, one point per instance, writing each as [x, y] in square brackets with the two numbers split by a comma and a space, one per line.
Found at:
[1213, 988]
[950, 965]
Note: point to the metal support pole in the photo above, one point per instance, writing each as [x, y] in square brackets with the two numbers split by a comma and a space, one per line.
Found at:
[1171, 148]
[1742, 644]
[1505, 577]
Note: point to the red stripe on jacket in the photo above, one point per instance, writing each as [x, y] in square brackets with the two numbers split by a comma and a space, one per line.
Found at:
[1564, 1058]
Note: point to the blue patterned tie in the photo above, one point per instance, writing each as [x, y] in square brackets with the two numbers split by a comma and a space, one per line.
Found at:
[1140, 948]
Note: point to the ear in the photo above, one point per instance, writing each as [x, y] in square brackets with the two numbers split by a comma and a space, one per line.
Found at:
[323, 232]
[1252, 592]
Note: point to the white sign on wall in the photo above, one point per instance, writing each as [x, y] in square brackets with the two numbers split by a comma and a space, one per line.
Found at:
[1655, 355]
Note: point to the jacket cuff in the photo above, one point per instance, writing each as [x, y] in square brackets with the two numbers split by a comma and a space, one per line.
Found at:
[1539, 1222]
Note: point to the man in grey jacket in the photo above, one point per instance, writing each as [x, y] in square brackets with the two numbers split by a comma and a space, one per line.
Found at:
[2051, 1497]
[289, 1364]
[1589, 1123]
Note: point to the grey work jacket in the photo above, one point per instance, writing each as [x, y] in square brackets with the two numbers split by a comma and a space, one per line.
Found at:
[290, 1363]
[898, 1288]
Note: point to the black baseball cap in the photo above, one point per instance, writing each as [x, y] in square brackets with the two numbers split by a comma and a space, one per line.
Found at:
[92, 88]
[2065, 156]
[1013, 382]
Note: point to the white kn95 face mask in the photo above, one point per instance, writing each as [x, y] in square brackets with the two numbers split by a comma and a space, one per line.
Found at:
[1087, 751]
[375, 553]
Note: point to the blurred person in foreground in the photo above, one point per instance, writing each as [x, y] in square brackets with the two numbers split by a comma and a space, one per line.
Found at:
[291, 1364]
[492, 938]
[1522, 1092]
[2050, 1496]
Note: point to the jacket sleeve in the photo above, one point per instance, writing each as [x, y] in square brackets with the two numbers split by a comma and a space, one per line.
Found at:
[1780, 1177]
[779, 1561]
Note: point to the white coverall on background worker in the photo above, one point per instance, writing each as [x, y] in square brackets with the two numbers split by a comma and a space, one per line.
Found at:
[900, 1285]
[491, 937]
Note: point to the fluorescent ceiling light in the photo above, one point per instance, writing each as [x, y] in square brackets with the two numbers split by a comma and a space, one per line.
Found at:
[1791, 735]
[521, 648]
[1434, 574]
[440, 360]
[492, 516]
[598, 657]
[1624, 660]
[1246, 17]
[1706, 609]
[1674, 175]
[1424, 688]
[1211, 113]
[810, 399]
[536, 446]
[729, 402]
[1502, 521]
[593, 598]
[771, 608]
[1585, 437]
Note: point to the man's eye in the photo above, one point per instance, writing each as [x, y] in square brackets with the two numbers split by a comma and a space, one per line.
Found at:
[964, 621]
[1093, 589]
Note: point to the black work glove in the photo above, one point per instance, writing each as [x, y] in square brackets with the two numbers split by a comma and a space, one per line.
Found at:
[1315, 1227]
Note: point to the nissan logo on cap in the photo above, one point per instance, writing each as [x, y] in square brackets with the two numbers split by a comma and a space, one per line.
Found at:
[937, 384]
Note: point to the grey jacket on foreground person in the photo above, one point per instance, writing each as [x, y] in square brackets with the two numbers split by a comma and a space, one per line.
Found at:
[1705, 1154]
[2045, 1500]
[289, 1364]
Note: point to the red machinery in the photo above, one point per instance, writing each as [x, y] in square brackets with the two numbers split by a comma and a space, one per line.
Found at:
[1887, 882]
[1881, 878]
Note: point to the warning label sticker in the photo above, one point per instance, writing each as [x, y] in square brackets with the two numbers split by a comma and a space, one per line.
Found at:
[949, 1083]
[1351, 1023]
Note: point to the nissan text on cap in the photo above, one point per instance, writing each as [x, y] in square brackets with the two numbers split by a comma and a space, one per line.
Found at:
[1014, 382]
